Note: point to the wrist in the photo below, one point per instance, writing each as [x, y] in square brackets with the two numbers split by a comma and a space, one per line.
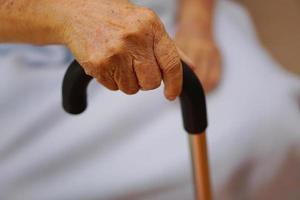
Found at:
[196, 28]
[48, 22]
[197, 14]
[29, 21]
[199, 10]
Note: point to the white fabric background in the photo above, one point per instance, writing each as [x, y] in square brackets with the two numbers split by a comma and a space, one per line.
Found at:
[134, 147]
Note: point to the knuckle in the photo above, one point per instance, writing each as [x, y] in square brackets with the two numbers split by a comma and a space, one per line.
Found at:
[145, 23]
[149, 17]
[149, 14]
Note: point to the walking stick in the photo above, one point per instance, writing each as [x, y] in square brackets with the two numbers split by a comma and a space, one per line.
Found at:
[193, 107]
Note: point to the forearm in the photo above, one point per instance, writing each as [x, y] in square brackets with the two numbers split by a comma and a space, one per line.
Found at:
[29, 21]
[196, 14]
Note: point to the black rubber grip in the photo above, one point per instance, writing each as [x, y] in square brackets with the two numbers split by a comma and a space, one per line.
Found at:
[192, 98]
[74, 89]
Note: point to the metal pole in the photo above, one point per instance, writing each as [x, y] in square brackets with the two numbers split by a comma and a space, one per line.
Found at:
[200, 166]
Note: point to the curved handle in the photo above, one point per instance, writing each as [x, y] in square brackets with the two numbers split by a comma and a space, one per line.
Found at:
[192, 98]
[74, 89]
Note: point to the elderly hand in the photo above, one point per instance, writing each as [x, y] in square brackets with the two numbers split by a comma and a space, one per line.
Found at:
[122, 45]
[202, 52]
[204, 57]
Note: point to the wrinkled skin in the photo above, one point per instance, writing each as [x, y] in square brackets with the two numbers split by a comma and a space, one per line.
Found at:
[123, 46]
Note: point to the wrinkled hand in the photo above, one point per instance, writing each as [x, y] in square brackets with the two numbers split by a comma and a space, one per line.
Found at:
[202, 54]
[122, 45]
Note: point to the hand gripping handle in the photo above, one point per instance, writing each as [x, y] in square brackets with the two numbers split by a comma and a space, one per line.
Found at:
[192, 98]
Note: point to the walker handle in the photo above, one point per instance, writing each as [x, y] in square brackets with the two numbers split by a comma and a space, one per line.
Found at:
[192, 98]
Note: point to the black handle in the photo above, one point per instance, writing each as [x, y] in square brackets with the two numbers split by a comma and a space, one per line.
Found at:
[74, 89]
[192, 98]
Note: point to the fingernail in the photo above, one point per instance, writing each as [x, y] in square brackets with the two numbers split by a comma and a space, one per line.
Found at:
[171, 98]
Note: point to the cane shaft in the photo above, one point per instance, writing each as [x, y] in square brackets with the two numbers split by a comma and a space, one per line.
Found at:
[200, 166]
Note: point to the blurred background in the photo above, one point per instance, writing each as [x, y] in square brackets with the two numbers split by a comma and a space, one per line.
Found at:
[134, 147]
[276, 24]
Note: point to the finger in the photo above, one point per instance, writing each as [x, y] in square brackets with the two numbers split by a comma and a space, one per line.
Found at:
[148, 73]
[214, 73]
[107, 81]
[169, 62]
[125, 76]
[103, 73]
